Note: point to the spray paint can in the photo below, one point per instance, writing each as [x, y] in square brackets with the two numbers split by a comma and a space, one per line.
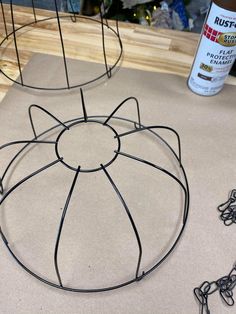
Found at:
[216, 51]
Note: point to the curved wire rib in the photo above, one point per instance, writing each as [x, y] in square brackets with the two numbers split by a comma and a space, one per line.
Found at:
[102, 5]
[153, 165]
[162, 170]
[158, 127]
[186, 208]
[117, 29]
[61, 226]
[15, 43]
[34, 11]
[43, 133]
[27, 178]
[45, 111]
[1, 187]
[62, 45]
[20, 151]
[108, 69]
[120, 105]
[130, 218]
[73, 18]
[26, 142]
[4, 18]
[83, 105]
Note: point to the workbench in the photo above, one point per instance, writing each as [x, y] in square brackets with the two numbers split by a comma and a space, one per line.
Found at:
[145, 48]
[207, 131]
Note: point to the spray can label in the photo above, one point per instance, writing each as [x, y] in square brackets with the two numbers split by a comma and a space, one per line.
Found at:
[216, 52]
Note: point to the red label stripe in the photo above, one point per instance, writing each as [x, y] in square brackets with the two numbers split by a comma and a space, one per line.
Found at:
[211, 33]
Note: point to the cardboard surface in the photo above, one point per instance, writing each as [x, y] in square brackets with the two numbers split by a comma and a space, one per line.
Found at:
[98, 247]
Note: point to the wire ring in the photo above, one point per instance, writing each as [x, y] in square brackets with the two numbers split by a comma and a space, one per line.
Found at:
[94, 169]
[108, 68]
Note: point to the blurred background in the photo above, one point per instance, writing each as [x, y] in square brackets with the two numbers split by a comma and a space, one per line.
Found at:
[174, 14]
[183, 15]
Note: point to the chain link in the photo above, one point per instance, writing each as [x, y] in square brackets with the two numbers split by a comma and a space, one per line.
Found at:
[224, 285]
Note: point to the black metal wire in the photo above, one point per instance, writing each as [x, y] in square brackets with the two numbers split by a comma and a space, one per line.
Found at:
[83, 106]
[154, 166]
[120, 105]
[1, 187]
[15, 43]
[61, 225]
[73, 18]
[130, 218]
[4, 18]
[108, 69]
[26, 141]
[225, 286]
[27, 178]
[57, 150]
[156, 127]
[102, 120]
[34, 11]
[62, 45]
[228, 210]
[58, 17]
[45, 111]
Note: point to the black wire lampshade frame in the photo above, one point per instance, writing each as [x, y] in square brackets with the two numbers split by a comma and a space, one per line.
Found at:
[10, 23]
[135, 127]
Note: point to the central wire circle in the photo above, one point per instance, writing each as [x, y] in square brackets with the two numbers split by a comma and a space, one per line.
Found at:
[87, 144]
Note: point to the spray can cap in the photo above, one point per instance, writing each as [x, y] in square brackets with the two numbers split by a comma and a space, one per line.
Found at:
[226, 4]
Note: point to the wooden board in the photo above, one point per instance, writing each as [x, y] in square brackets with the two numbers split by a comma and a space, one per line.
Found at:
[145, 48]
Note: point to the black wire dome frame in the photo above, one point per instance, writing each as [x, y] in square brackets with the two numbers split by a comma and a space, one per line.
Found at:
[75, 17]
[104, 121]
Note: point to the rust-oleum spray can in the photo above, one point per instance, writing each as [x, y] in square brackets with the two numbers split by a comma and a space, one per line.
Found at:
[216, 50]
